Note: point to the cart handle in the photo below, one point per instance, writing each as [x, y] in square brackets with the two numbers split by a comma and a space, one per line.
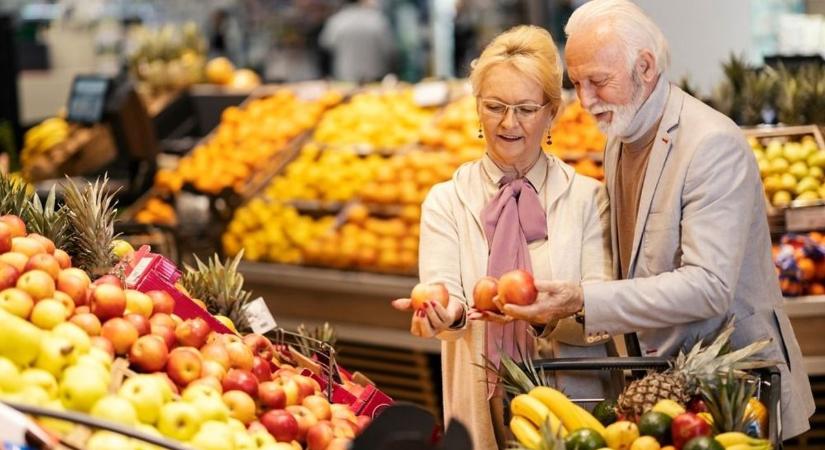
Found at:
[608, 363]
[96, 423]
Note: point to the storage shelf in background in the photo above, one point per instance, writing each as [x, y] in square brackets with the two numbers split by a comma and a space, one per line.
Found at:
[808, 306]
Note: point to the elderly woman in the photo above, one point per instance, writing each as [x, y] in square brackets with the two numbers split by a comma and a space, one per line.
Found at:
[515, 208]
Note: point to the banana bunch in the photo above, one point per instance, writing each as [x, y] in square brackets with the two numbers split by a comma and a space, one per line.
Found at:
[547, 407]
[42, 137]
[735, 440]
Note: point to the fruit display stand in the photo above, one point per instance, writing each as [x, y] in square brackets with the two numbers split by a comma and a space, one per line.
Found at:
[83, 150]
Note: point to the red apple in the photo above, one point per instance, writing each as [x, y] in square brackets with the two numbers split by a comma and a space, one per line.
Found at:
[259, 345]
[83, 310]
[291, 389]
[103, 344]
[176, 318]
[37, 284]
[17, 302]
[261, 369]
[319, 435]
[8, 276]
[162, 302]
[212, 368]
[344, 428]
[362, 422]
[149, 354]
[305, 419]
[192, 332]
[281, 425]
[216, 352]
[240, 380]
[74, 282]
[88, 322]
[240, 356]
[686, 427]
[517, 287]
[5, 238]
[15, 224]
[109, 280]
[319, 406]
[121, 333]
[162, 319]
[108, 301]
[485, 289]
[67, 301]
[63, 259]
[165, 333]
[27, 246]
[184, 365]
[306, 386]
[424, 293]
[339, 443]
[340, 411]
[272, 395]
[141, 323]
[16, 260]
[241, 406]
[44, 241]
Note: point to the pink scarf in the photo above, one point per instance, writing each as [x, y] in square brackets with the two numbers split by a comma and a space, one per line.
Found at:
[511, 219]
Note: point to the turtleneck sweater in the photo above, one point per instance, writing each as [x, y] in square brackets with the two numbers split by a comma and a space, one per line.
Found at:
[636, 145]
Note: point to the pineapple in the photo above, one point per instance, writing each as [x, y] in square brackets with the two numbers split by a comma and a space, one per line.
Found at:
[681, 382]
[727, 398]
[91, 217]
[758, 92]
[220, 287]
[48, 221]
[13, 196]
[516, 378]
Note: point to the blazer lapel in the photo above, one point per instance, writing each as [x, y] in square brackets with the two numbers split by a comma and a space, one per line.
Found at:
[611, 160]
[655, 166]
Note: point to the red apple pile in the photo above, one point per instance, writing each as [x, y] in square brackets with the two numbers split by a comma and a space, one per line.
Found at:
[225, 376]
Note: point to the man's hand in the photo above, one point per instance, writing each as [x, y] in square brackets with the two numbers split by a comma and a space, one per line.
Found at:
[556, 300]
[433, 318]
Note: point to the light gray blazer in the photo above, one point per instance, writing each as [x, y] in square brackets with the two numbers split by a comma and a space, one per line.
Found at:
[701, 252]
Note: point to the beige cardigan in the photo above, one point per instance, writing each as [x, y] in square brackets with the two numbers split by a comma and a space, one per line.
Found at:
[453, 251]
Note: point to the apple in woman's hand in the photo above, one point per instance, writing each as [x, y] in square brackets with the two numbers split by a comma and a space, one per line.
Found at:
[424, 293]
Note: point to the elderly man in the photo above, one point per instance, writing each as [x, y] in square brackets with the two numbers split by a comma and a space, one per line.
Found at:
[691, 244]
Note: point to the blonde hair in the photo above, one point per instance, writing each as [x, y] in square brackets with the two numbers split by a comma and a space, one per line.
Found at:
[635, 29]
[528, 49]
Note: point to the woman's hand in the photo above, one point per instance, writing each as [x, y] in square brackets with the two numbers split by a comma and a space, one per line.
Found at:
[489, 316]
[556, 300]
[433, 318]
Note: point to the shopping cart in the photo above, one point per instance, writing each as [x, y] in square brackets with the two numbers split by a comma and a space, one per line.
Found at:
[768, 389]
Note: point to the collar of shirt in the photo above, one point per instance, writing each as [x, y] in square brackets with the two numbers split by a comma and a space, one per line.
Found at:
[537, 174]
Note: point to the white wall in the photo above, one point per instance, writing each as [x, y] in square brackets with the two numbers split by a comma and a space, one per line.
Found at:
[702, 34]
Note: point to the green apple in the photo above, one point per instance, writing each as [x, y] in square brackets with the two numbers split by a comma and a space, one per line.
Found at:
[146, 396]
[101, 356]
[116, 409]
[61, 427]
[208, 401]
[106, 440]
[56, 353]
[80, 387]
[165, 387]
[10, 380]
[244, 441]
[262, 437]
[137, 444]
[19, 339]
[39, 377]
[179, 420]
[48, 313]
[76, 335]
[90, 361]
[236, 424]
[34, 395]
[213, 435]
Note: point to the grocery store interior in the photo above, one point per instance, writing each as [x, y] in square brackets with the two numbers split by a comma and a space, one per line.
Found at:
[236, 139]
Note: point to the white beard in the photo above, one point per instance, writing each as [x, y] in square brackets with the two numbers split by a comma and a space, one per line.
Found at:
[622, 115]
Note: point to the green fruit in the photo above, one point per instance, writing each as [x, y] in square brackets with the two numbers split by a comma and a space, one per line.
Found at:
[781, 198]
[657, 425]
[19, 339]
[703, 443]
[584, 439]
[605, 412]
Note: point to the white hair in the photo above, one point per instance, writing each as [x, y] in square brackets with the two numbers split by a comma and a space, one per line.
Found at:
[636, 30]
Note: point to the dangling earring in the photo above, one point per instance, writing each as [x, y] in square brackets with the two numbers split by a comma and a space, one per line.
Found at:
[480, 136]
[549, 139]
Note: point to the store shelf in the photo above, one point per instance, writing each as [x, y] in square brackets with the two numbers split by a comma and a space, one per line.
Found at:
[802, 307]
[330, 280]
[814, 365]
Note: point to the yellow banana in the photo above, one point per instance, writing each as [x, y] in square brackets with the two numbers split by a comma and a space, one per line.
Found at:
[762, 446]
[526, 433]
[536, 412]
[571, 415]
[732, 438]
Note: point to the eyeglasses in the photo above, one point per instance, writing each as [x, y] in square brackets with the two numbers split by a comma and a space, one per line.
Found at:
[497, 109]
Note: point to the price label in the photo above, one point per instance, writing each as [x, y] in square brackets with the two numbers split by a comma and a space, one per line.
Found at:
[137, 272]
[805, 218]
[259, 317]
[432, 93]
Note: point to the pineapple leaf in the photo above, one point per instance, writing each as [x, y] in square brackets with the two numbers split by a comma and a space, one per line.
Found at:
[47, 221]
[220, 286]
[13, 196]
[91, 216]
[727, 397]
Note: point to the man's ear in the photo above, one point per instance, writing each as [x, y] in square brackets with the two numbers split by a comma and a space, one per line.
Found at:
[646, 66]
